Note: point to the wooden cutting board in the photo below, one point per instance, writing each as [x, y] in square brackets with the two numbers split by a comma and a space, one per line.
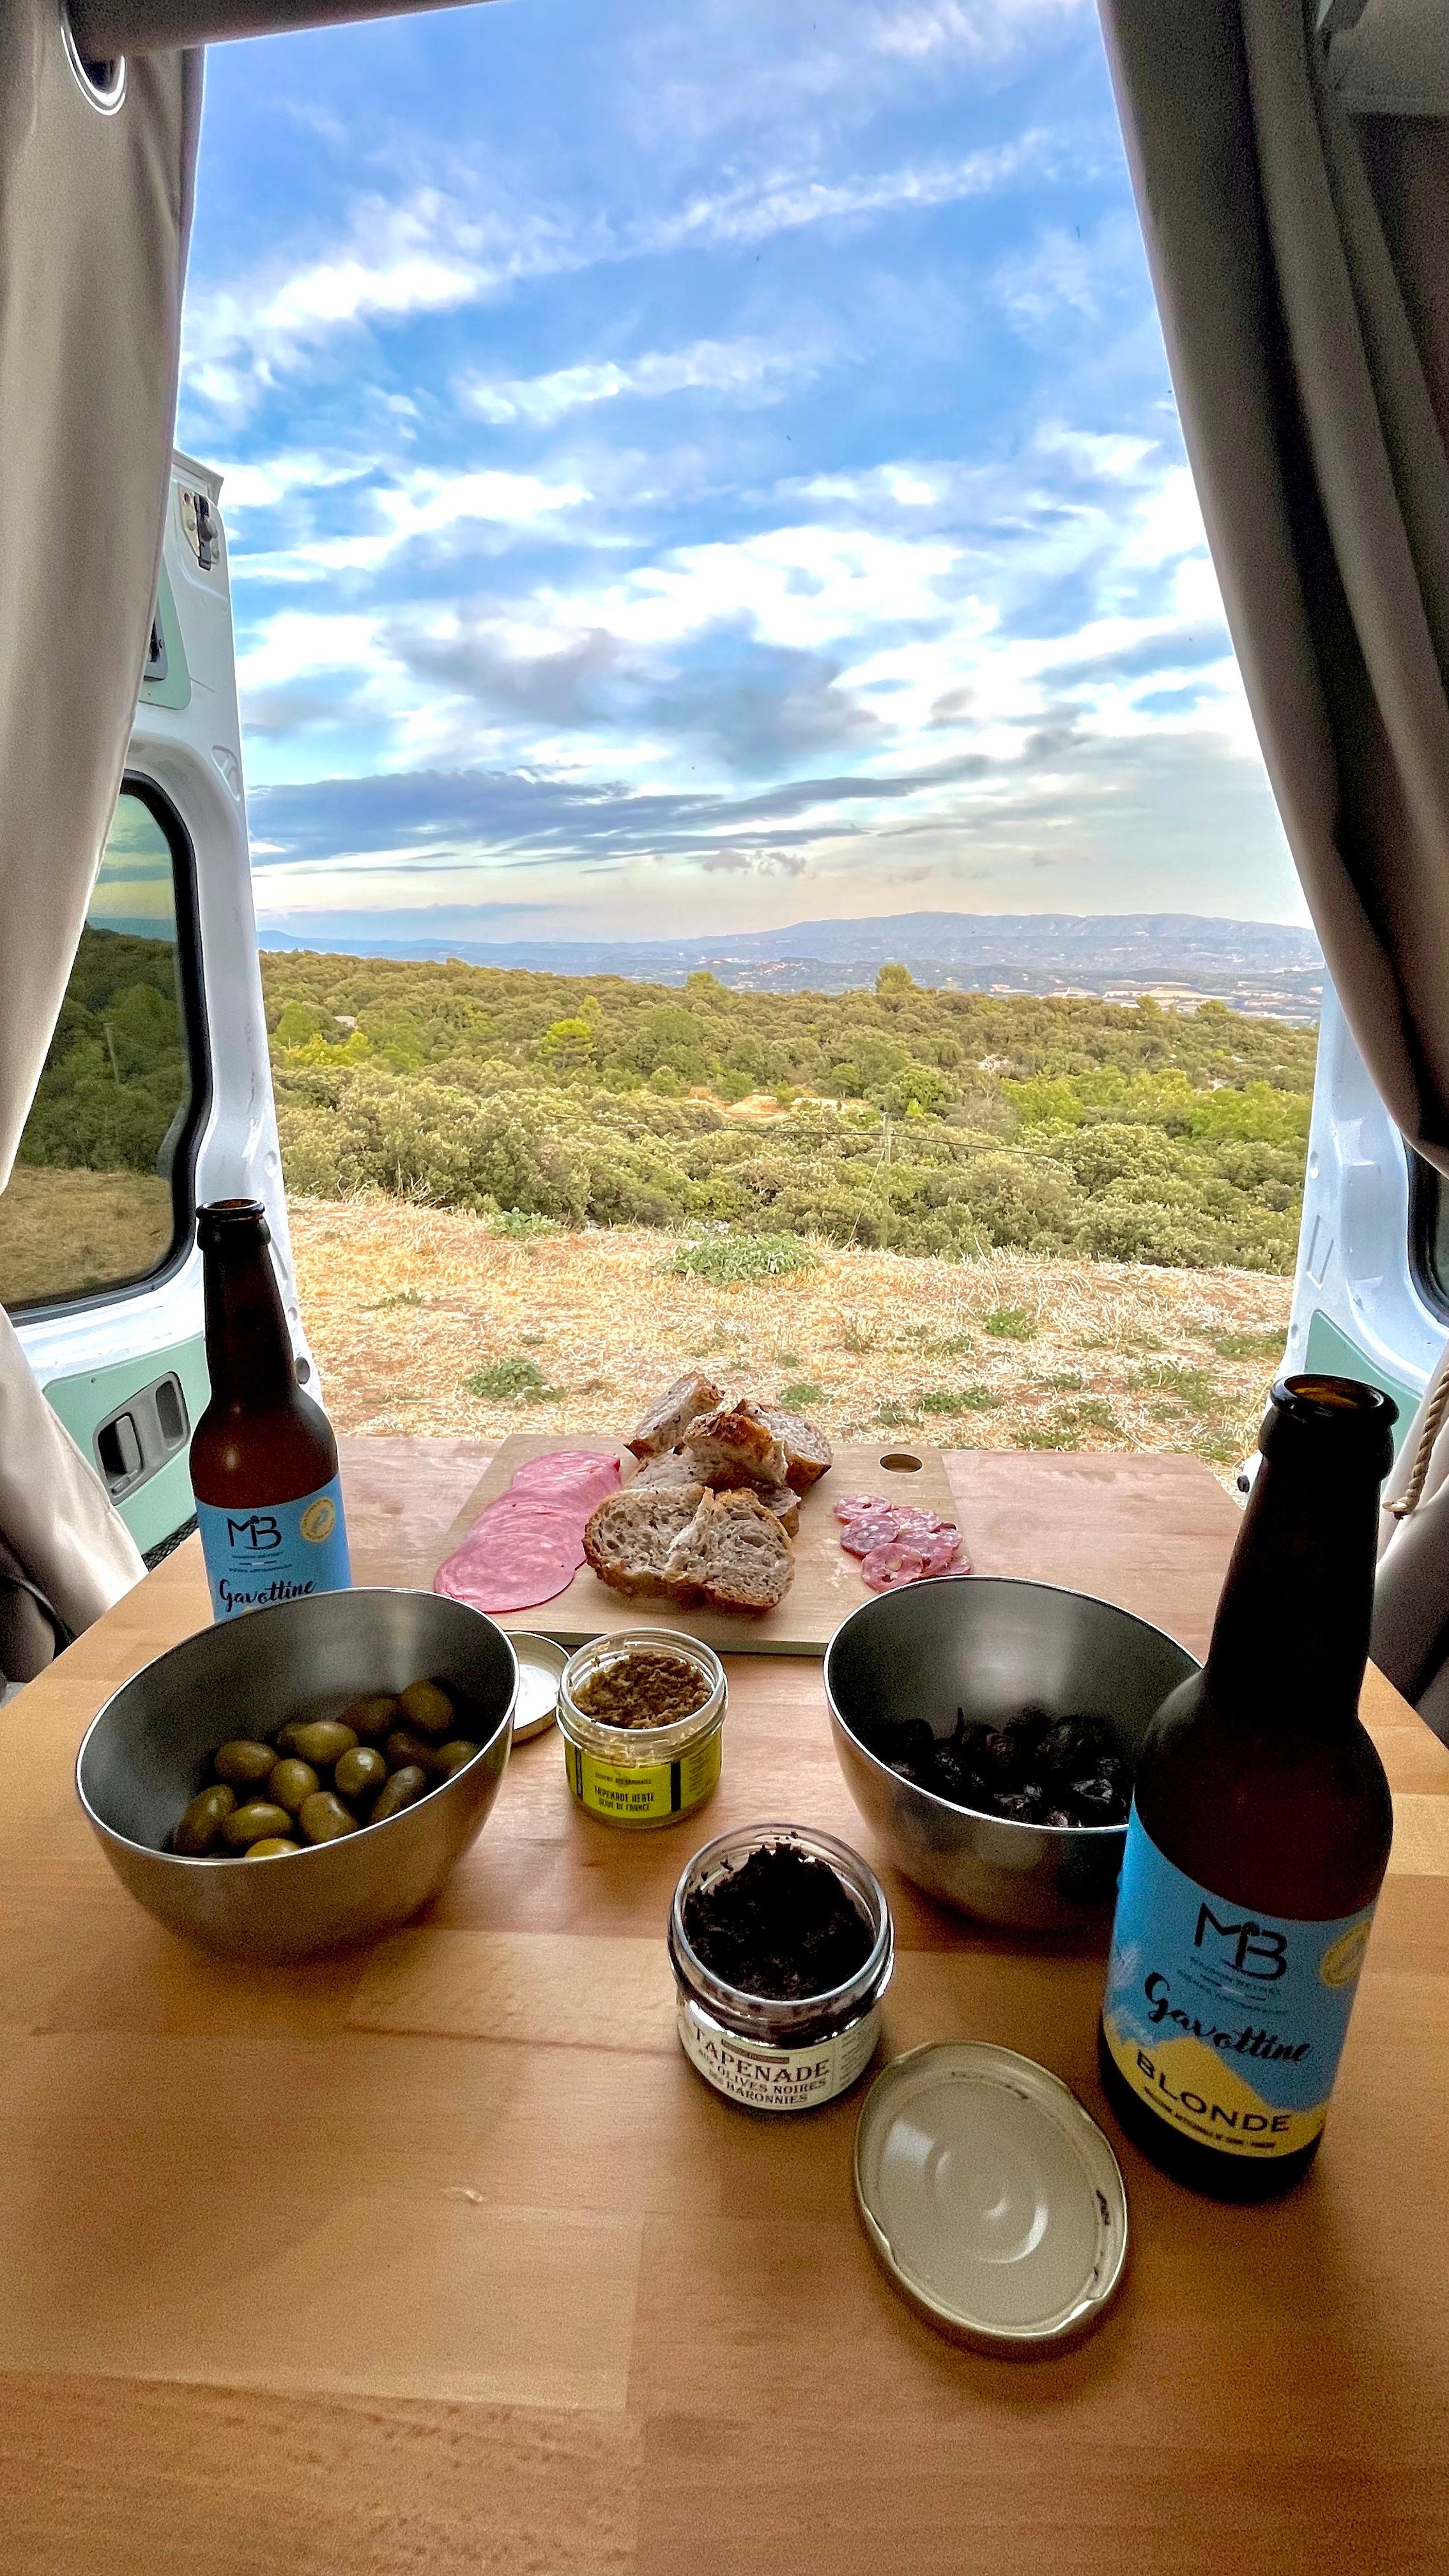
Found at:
[827, 1585]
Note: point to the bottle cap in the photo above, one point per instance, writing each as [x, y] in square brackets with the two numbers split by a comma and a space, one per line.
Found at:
[991, 2197]
[540, 1670]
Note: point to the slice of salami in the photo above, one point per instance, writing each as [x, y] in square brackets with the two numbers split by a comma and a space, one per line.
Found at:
[889, 1569]
[877, 1530]
[517, 1554]
[941, 1551]
[850, 1506]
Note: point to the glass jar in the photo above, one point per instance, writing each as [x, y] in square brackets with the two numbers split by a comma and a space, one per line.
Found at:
[774, 2055]
[642, 1776]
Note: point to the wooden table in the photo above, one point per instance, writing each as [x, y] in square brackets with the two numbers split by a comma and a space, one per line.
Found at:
[441, 2259]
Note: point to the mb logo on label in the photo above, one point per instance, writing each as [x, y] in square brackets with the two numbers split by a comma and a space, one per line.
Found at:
[1256, 1953]
[258, 1533]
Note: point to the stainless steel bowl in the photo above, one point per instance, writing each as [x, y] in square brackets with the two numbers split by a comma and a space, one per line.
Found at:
[992, 1647]
[143, 1755]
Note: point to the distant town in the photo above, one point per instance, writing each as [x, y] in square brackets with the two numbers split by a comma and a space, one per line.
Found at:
[1264, 969]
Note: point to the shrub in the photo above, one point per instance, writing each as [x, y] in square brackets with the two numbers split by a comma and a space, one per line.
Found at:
[726, 1259]
[961, 1399]
[797, 1396]
[513, 1382]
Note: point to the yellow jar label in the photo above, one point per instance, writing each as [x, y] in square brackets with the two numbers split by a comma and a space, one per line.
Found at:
[644, 1793]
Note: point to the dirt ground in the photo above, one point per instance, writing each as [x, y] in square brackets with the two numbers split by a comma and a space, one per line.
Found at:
[427, 1321]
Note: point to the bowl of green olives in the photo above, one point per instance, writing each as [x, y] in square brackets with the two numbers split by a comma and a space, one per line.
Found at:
[304, 1777]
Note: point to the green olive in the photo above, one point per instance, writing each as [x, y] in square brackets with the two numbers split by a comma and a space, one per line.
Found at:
[318, 1740]
[203, 1821]
[398, 1792]
[372, 1716]
[360, 1772]
[406, 1752]
[289, 1782]
[427, 1707]
[453, 1756]
[249, 1823]
[244, 1763]
[270, 1845]
[324, 1819]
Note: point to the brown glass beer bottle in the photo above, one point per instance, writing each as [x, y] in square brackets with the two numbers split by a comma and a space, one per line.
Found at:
[1260, 1825]
[263, 1458]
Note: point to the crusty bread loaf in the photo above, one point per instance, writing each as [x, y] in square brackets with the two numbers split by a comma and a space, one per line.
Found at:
[734, 1555]
[628, 1539]
[807, 1451]
[671, 1414]
[675, 1468]
[735, 1447]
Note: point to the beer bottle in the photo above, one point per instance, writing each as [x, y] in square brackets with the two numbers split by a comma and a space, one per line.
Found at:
[1260, 1825]
[263, 1458]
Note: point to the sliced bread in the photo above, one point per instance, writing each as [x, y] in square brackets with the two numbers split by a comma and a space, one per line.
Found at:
[807, 1451]
[671, 1468]
[733, 1446]
[733, 1554]
[671, 1413]
[676, 1468]
[628, 1539]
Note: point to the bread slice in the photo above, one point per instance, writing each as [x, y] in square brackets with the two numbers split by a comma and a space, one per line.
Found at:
[735, 1447]
[807, 1451]
[672, 1467]
[733, 1554]
[675, 1468]
[628, 1539]
[671, 1413]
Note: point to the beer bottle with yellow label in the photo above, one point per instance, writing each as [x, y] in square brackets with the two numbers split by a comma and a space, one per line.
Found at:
[263, 1458]
[1260, 1825]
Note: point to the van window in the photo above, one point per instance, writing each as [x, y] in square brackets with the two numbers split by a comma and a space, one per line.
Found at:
[101, 1193]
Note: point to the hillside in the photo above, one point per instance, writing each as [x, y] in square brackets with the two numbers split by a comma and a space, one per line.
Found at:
[917, 1119]
[442, 1324]
[1264, 967]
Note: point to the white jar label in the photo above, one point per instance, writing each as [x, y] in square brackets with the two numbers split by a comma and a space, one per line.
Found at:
[775, 2079]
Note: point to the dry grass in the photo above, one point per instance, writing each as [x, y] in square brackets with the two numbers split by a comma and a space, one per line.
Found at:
[61, 1231]
[405, 1305]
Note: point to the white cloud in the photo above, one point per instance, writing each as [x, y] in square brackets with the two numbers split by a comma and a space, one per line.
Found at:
[740, 368]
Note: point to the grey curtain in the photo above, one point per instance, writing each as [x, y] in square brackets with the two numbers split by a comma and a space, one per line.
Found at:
[1301, 262]
[94, 213]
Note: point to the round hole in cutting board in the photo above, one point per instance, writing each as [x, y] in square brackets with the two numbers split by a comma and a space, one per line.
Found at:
[901, 1462]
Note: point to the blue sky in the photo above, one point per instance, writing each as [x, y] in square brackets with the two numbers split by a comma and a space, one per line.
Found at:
[706, 465]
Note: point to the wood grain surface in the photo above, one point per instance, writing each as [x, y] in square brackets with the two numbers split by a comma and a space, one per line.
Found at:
[828, 1584]
[439, 2259]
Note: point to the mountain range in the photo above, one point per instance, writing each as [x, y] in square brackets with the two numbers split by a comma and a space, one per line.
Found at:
[1261, 967]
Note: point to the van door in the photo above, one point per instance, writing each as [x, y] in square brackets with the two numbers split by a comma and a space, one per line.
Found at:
[156, 1091]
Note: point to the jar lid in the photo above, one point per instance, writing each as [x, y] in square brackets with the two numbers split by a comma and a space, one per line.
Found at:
[992, 2198]
[540, 1670]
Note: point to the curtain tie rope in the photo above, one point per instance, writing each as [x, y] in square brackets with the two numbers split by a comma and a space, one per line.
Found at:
[1412, 1494]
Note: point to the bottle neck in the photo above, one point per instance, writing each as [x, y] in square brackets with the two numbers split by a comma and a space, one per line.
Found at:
[1291, 1636]
[248, 1347]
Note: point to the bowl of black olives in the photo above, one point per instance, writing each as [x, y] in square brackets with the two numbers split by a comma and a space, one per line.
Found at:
[305, 1776]
[989, 1728]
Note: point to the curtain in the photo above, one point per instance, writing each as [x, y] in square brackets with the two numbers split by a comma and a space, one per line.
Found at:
[94, 214]
[1301, 262]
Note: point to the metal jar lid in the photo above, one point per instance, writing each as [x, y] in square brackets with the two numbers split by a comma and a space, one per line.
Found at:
[991, 2197]
[540, 1670]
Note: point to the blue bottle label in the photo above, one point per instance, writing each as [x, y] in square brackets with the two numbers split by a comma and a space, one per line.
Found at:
[277, 1552]
[1229, 2024]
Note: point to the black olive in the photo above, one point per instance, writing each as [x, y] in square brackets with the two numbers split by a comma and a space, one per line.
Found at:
[1018, 1806]
[1061, 1750]
[1058, 1817]
[1000, 1756]
[1098, 1802]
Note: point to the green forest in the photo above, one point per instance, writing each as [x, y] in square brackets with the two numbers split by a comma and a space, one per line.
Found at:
[115, 1076]
[922, 1120]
